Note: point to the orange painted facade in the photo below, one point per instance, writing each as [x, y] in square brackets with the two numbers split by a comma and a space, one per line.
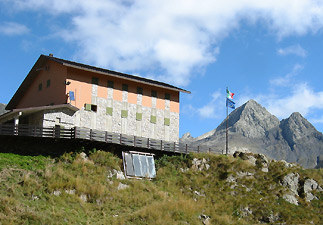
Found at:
[81, 84]
[65, 79]
[54, 94]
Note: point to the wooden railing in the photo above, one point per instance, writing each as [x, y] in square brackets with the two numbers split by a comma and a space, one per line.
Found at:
[100, 136]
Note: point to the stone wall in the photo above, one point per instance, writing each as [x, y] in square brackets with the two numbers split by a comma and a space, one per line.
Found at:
[62, 117]
[129, 125]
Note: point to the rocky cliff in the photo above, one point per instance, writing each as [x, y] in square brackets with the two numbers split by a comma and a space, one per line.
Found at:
[253, 129]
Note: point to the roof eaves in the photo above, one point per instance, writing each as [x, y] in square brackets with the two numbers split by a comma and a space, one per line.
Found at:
[116, 74]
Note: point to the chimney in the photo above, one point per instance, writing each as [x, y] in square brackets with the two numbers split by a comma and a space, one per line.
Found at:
[51, 55]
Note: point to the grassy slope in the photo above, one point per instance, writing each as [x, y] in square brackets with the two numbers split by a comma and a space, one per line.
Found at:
[27, 185]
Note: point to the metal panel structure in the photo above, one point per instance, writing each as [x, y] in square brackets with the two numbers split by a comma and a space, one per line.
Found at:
[139, 164]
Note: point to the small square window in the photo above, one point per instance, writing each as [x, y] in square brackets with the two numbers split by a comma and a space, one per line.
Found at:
[139, 90]
[154, 93]
[124, 113]
[90, 107]
[48, 83]
[167, 96]
[94, 108]
[109, 111]
[153, 119]
[40, 87]
[95, 80]
[110, 84]
[87, 107]
[139, 116]
[125, 87]
[167, 121]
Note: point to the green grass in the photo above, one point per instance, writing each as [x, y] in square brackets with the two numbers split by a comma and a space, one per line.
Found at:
[23, 162]
[27, 185]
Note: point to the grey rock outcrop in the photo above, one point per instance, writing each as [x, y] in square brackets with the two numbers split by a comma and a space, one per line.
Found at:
[253, 129]
[309, 186]
[290, 181]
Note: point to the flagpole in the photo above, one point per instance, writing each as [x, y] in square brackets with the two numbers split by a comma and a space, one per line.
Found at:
[226, 130]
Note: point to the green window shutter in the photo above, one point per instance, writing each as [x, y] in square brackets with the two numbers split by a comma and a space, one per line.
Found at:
[125, 87]
[87, 107]
[153, 119]
[110, 84]
[40, 87]
[124, 113]
[167, 96]
[109, 111]
[167, 121]
[48, 83]
[154, 93]
[139, 116]
[139, 90]
[95, 80]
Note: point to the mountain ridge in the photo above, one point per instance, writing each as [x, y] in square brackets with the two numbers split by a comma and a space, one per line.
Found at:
[253, 129]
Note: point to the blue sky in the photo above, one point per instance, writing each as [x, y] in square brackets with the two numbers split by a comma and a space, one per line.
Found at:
[270, 51]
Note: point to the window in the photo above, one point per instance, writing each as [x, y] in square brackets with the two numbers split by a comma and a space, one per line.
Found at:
[139, 116]
[139, 164]
[124, 113]
[110, 84]
[90, 107]
[153, 119]
[167, 96]
[40, 87]
[166, 121]
[125, 87]
[139, 90]
[95, 80]
[48, 83]
[109, 111]
[154, 93]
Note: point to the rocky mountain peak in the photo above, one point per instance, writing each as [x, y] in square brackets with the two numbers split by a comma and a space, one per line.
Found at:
[251, 120]
[296, 127]
[253, 129]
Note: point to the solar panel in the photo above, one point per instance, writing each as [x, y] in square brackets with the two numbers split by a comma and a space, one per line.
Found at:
[144, 166]
[151, 167]
[129, 165]
[139, 164]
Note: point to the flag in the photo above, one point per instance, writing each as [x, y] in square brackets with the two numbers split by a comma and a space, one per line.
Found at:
[229, 94]
[72, 97]
[231, 104]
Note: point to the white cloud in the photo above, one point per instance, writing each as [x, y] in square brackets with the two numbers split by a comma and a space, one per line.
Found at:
[175, 38]
[212, 109]
[12, 28]
[293, 50]
[302, 99]
[288, 95]
[287, 80]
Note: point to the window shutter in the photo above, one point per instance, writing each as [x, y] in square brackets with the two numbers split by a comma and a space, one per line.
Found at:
[109, 111]
[139, 116]
[95, 80]
[87, 107]
[167, 121]
[153, 119]
[124, 113]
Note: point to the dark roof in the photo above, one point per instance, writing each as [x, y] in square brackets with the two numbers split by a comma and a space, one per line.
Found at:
[43, 58]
